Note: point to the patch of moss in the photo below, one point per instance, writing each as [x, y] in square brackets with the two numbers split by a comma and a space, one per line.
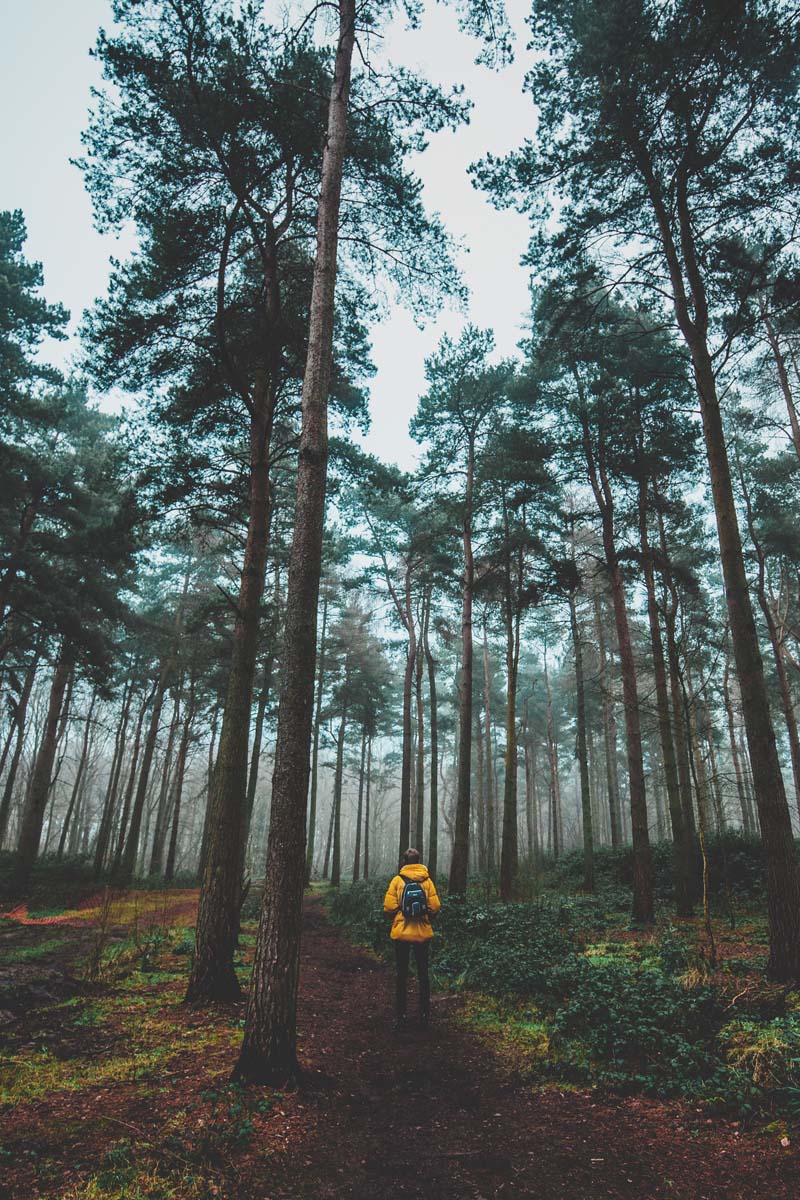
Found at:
[29, 953]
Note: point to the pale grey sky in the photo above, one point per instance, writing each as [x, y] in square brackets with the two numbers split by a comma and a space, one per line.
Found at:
[45, 79]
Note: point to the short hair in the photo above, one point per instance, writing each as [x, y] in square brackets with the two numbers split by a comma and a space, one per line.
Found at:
[411, 856]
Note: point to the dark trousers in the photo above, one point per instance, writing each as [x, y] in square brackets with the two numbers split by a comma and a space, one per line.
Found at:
[402, 955]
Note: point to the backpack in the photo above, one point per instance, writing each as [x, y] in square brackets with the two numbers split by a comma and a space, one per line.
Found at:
[414, 902]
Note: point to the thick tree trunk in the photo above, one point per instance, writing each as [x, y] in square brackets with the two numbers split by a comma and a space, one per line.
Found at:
[269, 1049]
[691, 310]
[213, 977]
[312, 804]
[580, 747]
[33, 815]
[459, 864]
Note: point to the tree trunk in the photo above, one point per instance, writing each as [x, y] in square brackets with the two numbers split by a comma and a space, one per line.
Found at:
[491, 844]
[312, 805]
[459, 863]
[366, 808]
[775, 642]
[76, 786]
[782, 874]
[783, 379]
[20, 714]
[554, 814]
[269, 1049]
[360, 808]
[33, 816]
[163, 812]
[744, 808]
[509, 852]
[130, 853]
[338, 780]
[407, 617]
[609, 729]
[419, 835]
[180, 772]
[433, 839]
[583, 760]
[213, 977]
[480, 807]
[682, 838]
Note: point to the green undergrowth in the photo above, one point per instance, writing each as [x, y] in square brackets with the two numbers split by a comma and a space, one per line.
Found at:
[22, 954]
[582, 997]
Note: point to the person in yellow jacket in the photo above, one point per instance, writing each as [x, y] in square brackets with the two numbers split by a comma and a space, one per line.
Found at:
[409, 932]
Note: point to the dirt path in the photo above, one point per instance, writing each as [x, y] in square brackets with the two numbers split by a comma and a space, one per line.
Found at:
[442, 1114]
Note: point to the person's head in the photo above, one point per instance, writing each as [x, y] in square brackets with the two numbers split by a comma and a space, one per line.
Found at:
[410, 856]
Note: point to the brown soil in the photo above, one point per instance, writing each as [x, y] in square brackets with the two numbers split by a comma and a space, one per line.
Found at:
[439, 1114]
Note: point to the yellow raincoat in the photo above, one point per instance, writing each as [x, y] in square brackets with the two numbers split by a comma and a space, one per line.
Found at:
[411, 931]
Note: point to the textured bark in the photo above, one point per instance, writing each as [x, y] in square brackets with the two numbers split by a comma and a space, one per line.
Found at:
[213, 977]
[459, 863]
[312, 804]
[33, 815]
[269, 1049]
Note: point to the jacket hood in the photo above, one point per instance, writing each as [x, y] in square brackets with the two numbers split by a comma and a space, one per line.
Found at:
[414, 871]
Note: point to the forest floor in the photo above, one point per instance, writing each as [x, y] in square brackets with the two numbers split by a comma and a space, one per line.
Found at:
[110, 1088]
